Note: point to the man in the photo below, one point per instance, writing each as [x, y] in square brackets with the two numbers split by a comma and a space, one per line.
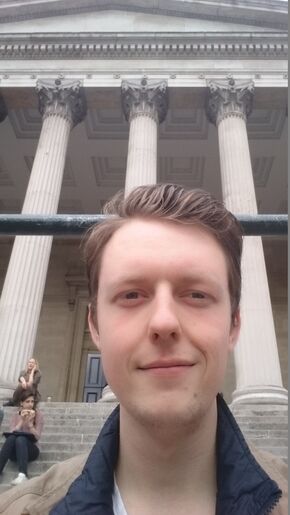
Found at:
[165, 282]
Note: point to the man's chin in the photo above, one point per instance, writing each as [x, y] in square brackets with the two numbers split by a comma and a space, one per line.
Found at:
[174, 414]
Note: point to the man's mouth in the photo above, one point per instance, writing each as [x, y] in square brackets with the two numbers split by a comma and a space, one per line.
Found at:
[167, 364]
[167, 367]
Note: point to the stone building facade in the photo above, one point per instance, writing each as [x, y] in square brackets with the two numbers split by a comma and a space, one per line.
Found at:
[99, 96]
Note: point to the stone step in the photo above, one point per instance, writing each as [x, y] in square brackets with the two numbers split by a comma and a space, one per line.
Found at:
[68, 417]
[258, 407]
[73, 447]
[76, 413]
[68, 422]
[77, 405]
[59, 425]
[280, 452]
[265, 443]
[264, 433]
[271, 425]
[261, 416]
[67, 437]
[52, 438]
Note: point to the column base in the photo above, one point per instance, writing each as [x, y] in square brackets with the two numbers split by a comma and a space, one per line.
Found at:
[108, 395]
[260, 395]
[6, 390]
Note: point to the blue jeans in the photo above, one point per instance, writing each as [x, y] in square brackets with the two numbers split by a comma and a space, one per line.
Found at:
[19, 449]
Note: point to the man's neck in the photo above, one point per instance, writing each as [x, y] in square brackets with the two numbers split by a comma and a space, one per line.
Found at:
[170, 469]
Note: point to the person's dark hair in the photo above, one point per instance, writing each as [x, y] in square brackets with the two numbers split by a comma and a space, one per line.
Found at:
[25, 394]
[174, 203]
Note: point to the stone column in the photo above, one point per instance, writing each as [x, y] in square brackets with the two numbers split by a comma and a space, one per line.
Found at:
[145, 105]
[258, 373]
[62, 106]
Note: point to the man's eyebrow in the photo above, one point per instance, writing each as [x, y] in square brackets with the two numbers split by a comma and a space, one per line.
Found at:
[194, 278]
[125, 279]
[202, 279]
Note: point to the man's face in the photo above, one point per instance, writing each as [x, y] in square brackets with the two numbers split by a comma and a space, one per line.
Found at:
[163, 321]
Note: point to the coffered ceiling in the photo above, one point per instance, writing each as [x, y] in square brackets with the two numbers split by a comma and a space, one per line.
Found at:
[187, 149]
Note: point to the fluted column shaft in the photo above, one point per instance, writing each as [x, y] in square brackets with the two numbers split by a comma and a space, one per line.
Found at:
[62, 106]
[142, 153]
[145, 105]
[258, 373]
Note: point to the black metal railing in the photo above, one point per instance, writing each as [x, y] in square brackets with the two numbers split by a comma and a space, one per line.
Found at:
[253, 225]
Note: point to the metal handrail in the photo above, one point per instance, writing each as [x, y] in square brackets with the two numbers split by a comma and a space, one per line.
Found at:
[253, 225]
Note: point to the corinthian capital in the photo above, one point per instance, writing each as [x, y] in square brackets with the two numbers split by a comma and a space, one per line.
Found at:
[145, 98]
[64, 98]
[228, 98]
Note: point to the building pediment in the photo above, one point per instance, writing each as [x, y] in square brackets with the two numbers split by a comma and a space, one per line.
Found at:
[248, 13]
[121, 22]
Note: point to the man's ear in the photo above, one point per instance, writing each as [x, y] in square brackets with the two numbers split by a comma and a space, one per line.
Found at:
[235, 329]
[93, 326]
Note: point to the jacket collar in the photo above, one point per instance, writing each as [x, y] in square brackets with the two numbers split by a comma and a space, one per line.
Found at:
[243, 486]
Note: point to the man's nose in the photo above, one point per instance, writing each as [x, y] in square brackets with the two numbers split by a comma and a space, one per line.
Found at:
[164, 324]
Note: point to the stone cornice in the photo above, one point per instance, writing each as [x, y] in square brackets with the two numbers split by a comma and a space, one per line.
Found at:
[263, 13]
[148, 45]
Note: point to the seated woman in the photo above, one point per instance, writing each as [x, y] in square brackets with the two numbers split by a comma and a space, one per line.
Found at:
[29, 379]
[21, 443]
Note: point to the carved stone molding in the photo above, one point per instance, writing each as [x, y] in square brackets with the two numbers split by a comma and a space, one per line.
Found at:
[63, 98]
[145, 98]
[262, 45]
[229, 98]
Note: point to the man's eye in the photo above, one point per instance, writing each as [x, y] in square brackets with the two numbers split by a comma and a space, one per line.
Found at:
[131, 295]
[197, 295]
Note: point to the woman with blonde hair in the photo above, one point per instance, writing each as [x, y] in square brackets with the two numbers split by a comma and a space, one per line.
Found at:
[29, 379]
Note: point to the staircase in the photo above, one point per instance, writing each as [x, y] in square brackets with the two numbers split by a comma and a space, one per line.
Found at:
[69, 429]
[264, 425]
[72, 428]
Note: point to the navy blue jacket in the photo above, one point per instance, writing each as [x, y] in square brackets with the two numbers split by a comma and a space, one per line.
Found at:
[244, 488]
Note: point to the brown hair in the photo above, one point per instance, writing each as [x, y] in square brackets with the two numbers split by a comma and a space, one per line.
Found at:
[25, 394]
[168, 202]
